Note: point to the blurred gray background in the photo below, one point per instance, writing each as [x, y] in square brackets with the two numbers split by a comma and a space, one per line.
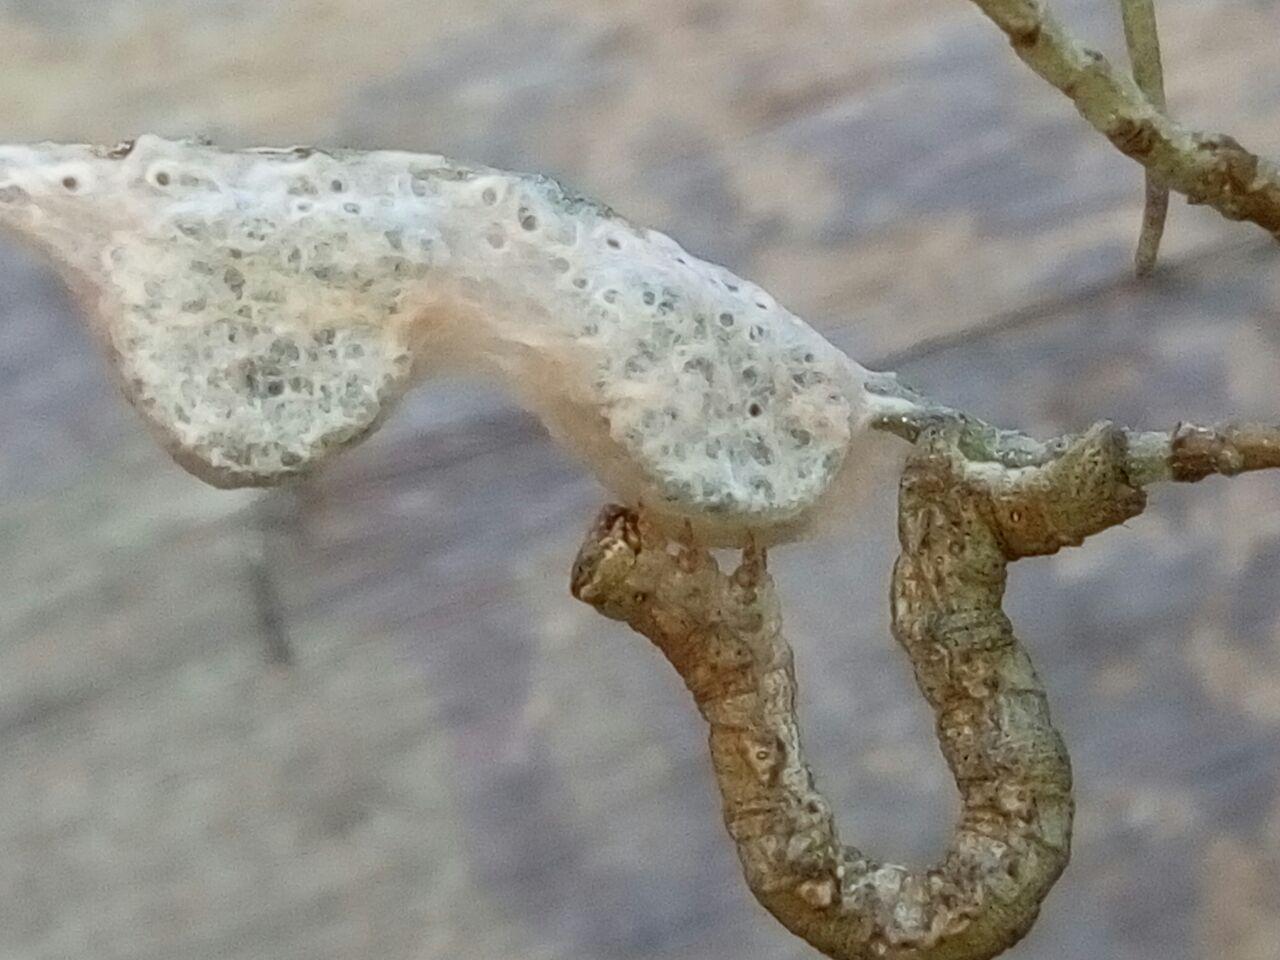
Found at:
[362, 718]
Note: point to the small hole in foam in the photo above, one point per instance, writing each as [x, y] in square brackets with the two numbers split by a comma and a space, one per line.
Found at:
[71, 183]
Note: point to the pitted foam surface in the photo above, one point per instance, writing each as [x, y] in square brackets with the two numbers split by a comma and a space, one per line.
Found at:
[267, 307]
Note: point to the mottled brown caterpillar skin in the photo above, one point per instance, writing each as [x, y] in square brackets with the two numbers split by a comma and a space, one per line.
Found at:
[960, 524]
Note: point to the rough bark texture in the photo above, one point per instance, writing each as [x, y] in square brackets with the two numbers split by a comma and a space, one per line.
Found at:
[1198, 452]
[1186, 454]
[1213, 169]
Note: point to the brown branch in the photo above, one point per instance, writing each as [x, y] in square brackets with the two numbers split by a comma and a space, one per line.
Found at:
[1143, 40]
[1199, 452]
[1186, 454]
[960, 523]
[1211, 169]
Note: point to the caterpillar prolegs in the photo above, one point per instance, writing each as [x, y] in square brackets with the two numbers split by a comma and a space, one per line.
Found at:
[960, 524]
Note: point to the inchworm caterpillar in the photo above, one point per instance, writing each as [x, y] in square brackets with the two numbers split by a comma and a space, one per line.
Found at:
[960, 524]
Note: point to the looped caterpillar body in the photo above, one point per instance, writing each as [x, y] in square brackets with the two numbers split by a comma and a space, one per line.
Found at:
[961, 522]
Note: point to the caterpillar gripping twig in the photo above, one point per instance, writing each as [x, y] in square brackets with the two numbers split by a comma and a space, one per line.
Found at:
[960, 523]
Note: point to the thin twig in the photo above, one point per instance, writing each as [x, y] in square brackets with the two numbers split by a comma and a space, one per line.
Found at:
[1143, 39]
[1186, 454]
[1212, 169]
[1197, 452]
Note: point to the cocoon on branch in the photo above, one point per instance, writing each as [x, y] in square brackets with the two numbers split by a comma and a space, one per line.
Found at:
[265, 308]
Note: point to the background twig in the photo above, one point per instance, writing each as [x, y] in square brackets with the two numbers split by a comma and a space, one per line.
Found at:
[1143, 39]
[1212, 169]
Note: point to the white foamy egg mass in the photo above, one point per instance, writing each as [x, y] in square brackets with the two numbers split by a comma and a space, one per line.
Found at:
[265, 308]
